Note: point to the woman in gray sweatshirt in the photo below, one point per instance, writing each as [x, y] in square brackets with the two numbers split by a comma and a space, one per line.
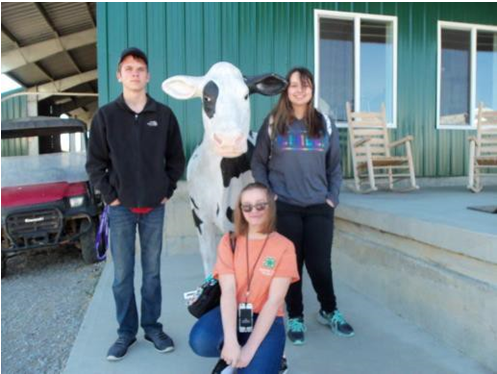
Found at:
[297, 156]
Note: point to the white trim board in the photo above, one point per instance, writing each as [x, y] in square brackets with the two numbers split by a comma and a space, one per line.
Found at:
[356, 17]
[473, 29]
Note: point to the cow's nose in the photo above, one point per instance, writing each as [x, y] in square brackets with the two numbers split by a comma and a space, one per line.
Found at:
[228, 139]
[229, 145]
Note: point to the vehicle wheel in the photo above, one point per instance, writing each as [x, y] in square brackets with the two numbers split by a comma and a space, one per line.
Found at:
[4, 265]
[87, 243]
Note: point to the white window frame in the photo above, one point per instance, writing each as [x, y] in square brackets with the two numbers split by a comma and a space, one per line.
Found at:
[473, 28]
[357, 18]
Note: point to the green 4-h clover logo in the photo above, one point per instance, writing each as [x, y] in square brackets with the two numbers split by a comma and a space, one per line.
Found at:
[269, 263]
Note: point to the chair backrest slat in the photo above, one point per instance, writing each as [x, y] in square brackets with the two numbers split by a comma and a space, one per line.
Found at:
[486, 132]
[368, 125]
[368, 132]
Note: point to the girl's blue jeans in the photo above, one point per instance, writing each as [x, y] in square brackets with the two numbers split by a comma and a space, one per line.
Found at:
[207, 337]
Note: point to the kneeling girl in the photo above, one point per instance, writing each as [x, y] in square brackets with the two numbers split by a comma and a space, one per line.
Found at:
[247, 330]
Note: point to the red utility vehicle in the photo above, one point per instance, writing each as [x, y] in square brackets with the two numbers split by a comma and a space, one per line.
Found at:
[47, 200]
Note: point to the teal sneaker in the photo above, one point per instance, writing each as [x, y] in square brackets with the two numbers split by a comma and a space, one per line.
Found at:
[295, 330]
[336, 322]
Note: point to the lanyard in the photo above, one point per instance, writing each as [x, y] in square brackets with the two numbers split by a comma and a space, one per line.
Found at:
[250, 277]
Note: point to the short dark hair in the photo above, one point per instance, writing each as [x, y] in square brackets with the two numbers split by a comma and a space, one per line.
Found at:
[241, 224]
[136, 53]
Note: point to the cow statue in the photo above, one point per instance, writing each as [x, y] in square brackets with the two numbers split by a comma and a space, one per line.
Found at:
[220, 166]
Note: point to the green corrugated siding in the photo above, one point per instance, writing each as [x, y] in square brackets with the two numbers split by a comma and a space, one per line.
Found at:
[187, 38]
[14, 147]
[16, 107]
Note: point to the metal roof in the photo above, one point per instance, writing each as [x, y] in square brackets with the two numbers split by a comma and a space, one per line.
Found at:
[49, 44]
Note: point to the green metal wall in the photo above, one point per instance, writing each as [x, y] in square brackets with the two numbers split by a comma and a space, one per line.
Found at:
[187, 38]
[16, 107]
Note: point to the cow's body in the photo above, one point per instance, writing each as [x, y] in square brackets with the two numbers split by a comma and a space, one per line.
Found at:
[220, 166]
[212, 199]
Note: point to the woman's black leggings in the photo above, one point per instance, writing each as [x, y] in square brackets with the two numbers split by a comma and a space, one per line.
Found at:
[311, 231]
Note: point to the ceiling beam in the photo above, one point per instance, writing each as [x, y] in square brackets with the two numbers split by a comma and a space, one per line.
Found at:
[45, 73]
[85, 115]
[19, 57]
[79, 102]
[9, 35]
[50, 23]
[64, 84]
[73, 62]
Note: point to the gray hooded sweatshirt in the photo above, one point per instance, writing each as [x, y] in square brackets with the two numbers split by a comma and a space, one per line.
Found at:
[299, 169]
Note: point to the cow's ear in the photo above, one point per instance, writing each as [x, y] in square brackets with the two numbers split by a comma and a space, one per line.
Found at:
[183, 87]
[266, 84]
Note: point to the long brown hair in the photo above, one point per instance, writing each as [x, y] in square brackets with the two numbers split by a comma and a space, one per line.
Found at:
[283, 115]
[241, 224]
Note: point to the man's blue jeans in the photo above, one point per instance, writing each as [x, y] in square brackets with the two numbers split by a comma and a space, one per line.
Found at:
[123, 225]
[207, 337]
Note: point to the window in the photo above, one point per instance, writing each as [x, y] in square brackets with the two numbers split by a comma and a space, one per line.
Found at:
[71, 142]
[355, 61]
[467, 73]
[486, 69]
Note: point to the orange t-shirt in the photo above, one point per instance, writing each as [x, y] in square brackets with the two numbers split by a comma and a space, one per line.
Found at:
[277, 260]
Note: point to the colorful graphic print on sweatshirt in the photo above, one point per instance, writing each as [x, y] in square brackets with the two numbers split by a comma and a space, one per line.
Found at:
[300, 141]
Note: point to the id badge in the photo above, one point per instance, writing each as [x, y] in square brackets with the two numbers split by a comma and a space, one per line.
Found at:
[190, 297]
[245, 317]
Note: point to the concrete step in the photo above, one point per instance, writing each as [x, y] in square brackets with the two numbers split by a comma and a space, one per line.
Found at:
[426, 257]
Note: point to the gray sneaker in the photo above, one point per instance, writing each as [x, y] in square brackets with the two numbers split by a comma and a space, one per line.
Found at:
[162, 342]
[119, 349]
[336, 322]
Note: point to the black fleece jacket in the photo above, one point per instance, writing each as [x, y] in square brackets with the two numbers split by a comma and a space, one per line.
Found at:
[135, 157]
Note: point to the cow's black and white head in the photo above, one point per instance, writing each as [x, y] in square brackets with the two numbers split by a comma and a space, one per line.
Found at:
[225, 103]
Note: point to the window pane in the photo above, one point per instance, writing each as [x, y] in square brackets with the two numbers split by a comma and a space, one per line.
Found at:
[377, 67]
[454, 100]
[486, 70]
[336, 66]
[65, 142]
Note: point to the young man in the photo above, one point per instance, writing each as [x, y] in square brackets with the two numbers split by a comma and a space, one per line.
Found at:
[135, 159]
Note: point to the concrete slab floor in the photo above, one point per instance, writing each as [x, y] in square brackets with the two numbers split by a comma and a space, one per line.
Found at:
[384, 342]
[445, 205]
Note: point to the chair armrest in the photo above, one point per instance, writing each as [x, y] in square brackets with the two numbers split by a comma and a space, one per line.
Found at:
[406, 139]
[361, 142]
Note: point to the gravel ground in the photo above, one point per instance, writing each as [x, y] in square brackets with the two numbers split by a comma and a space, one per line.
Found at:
[44, 299]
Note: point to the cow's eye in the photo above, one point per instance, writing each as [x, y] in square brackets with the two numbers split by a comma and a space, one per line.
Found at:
[246, 96]
[207, 99]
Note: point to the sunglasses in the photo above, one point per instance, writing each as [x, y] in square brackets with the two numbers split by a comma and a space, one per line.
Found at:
[247, 208]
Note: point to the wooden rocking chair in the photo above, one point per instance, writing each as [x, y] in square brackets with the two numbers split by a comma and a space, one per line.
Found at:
[370, 149]
[482, 148]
